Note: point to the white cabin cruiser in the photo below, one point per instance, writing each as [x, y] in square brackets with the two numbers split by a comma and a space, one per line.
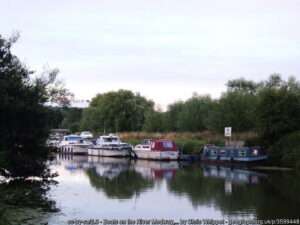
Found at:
[53, 142]
[86, 135]
[111, 146]
[74, 144]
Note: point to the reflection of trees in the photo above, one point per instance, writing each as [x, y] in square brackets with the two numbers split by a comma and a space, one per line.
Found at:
[23, 194]
[286, 203]
[25, 202]
[210, 191]
[125, 185]
[275, 197]
[200, 190]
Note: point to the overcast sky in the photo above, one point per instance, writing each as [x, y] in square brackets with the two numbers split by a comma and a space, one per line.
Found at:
[164, 49]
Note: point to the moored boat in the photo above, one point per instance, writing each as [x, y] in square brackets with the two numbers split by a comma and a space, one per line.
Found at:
[73, 144]
[157, 149]
[86, 135]
[110, 146]
[231, 153]
[55, 137]
[53, 142]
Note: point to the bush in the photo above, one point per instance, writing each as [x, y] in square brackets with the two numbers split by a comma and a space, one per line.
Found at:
[253, 141]
[286, 151]
[218, 142]
[190, 146]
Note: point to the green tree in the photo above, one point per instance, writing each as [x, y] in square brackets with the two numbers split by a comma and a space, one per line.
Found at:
[236, 109]
[55, 117]
[116, 111]
[243, 85]
[278, 110]
[172, 116]
[154, 121]
[194, 113]
[71, 118]
[24, 118]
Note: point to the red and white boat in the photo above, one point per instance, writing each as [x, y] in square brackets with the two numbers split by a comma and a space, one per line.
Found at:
[161, 149]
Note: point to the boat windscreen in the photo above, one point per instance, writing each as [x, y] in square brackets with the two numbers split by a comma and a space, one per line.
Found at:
[110, 139]
[167, 144]
[73, 138]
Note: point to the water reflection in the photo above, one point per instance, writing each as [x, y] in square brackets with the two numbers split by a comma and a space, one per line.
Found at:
[156, 170]
[227, 189]
[232, 176]
[121, 188]
[24, 193]
[116, 178]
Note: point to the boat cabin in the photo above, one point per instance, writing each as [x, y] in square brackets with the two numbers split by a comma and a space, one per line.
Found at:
[108, 139]
[72, 139]
[229, 153]
[163, 145]
[157, 145]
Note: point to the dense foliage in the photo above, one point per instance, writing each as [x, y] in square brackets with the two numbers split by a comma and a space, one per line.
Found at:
[286, 151]
[278, 109]
[115, 112]
[24, 118]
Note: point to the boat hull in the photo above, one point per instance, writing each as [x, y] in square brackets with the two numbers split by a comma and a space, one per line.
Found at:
[233, 154]
[108, 152]
[235, 159]
[157, 155]
[80, 149]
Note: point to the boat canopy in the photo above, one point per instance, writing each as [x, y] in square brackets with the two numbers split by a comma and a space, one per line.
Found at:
[163, 145]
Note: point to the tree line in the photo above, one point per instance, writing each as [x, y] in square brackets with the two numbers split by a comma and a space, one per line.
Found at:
[269, 108]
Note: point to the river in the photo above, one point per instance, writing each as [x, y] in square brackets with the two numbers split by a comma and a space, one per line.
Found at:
[114, 189]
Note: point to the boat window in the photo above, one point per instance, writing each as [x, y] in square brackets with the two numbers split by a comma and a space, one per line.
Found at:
[242, 153]
[223, 152]
[73, 138]
[110, 139]
[146, 142]
[213, 152]
[167, 144]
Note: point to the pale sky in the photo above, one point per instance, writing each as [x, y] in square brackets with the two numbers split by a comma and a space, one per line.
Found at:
[164, 49]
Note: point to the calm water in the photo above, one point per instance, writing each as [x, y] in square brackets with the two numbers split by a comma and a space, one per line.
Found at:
[111, 188]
